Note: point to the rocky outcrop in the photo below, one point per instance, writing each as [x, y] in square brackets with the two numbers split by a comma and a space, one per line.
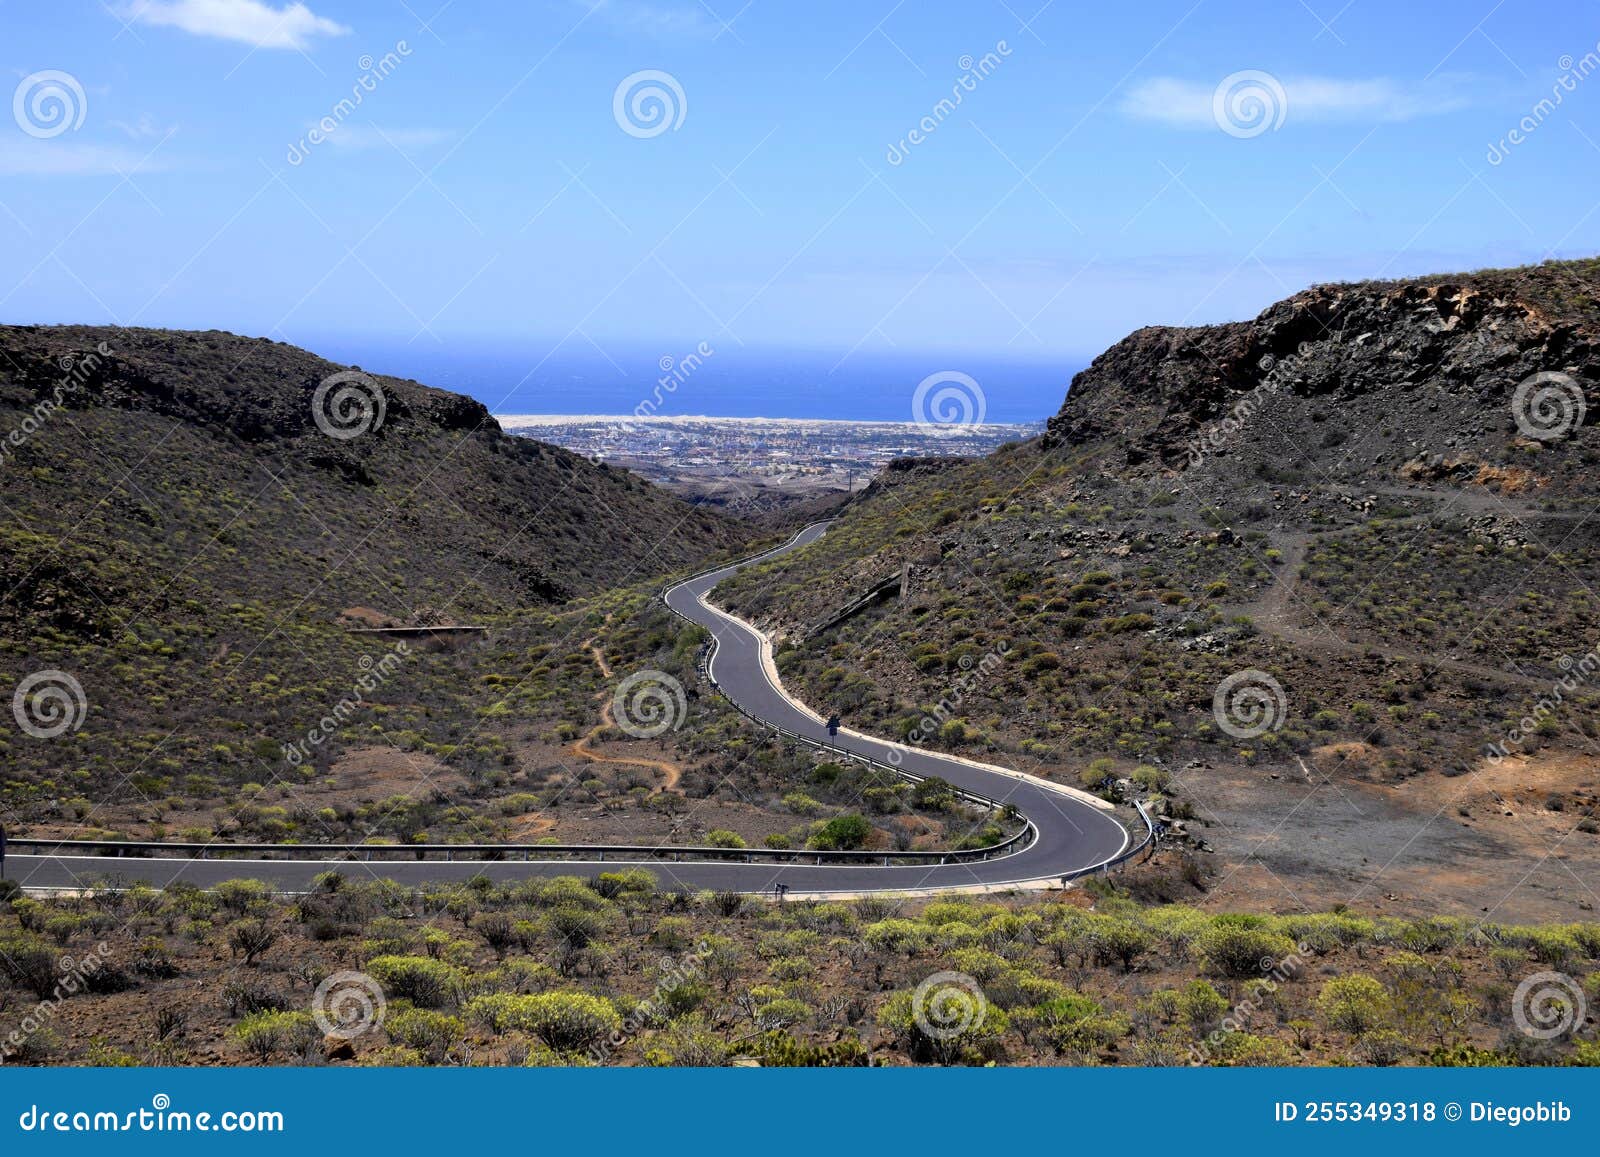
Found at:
[253, 389]
[1442, 357]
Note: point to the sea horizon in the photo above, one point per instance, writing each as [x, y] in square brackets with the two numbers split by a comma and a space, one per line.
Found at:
[517, 420]
[736, 382]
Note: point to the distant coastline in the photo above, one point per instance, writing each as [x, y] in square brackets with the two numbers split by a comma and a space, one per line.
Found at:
[757, 465]
[516, 421]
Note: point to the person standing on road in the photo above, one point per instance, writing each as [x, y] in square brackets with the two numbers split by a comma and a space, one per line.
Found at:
[833, 726]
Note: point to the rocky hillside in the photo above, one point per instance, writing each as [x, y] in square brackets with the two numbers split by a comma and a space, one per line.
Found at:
[1348, 539]
[190, 523]
[1360, 382]
[154, 440]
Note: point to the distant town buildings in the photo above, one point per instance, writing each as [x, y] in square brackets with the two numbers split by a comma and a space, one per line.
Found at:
[848, 452]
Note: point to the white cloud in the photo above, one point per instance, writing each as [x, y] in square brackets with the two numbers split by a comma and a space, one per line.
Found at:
[251, 21]
[1188, 104]
[640, 17]
[59, 158]
[142, 129]
[351, 136]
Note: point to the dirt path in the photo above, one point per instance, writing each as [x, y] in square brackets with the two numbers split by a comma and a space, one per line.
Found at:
[599, 658]
[670, 772]
[525, 829]
[1274, 613]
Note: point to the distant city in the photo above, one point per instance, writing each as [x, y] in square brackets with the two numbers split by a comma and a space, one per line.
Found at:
[759, 463]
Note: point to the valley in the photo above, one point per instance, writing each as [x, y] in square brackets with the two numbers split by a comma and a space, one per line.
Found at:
[1311, 591]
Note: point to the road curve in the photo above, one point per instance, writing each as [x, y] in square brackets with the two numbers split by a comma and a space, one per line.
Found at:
[1073, 834]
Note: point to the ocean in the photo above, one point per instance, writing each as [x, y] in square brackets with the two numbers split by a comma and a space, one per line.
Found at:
[732, 382]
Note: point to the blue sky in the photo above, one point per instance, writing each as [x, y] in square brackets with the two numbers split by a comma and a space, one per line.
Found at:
[485, 193]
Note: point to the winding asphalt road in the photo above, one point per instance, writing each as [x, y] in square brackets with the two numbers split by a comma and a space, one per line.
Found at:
[1073, 833]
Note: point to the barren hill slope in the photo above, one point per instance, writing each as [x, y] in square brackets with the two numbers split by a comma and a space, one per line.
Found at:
[1349, 541]
[189, 523]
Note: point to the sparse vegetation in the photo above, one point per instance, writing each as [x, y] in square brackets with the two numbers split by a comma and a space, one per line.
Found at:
[666, 978]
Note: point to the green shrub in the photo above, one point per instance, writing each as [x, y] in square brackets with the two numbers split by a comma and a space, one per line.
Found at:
[1355, 1004]
[101, 1054]
[432, 1034]
[781, 1013]
[687, 1044]
[630, 882]
[563, 891]
[1150, 778]
[980, 963]
[1118, 941]
[241, 896]
[250, 938]
[933, 793]
[1230, 950]
[974, 1038]
[673, 932]
[29, 963]
[1433, 935]
[1553, 946]
[419, 979]
[1241, 1049]
[841, 833]
[779, 1050]
[267, 1033]
[1325, 932]
[393, 1057]
[1076, 1024]
[566, 1021]
[521, 975]
[896, 935]
[1201, 1006]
